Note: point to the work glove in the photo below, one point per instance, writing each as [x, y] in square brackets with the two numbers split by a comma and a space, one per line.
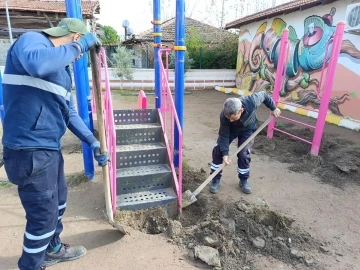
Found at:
[276, 112]
[101, 158]
[88, 41]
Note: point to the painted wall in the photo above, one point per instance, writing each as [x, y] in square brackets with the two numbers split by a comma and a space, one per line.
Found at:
[309, 32]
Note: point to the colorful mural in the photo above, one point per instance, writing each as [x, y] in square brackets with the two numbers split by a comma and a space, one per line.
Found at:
[257, 61]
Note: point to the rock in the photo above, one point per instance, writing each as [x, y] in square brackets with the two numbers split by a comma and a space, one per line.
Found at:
[174, 229]
[178, 240]
[270, 228]
[309, 261]
[324, 249]
[296, 254]
[229, 224]
[190, 254]
[279, 239]
[211, 241]
[339, 253]
[269, 234]
[258, 242]
[191, 245]
[346, 168]
[208, 255]
[205, 224]
[243, 207]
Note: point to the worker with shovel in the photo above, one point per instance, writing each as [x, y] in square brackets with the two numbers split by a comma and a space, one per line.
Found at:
[39, 108]
[238, 120]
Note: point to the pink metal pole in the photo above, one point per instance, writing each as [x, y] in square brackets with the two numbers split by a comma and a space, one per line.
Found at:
[297, 122]
[329, 81]
[280, 72]
[291, 135]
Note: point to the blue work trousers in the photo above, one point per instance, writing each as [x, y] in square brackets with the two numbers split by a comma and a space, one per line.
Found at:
[243, 157]
[39, 175]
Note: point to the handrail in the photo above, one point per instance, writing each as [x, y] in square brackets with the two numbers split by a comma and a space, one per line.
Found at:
[142, 101]
[167, 105]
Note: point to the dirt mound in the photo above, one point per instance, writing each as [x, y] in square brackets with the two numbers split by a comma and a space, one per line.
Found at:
[227, 235]
[338, 162]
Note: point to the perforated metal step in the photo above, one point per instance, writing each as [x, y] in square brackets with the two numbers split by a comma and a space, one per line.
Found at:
[138, 134]
[133, 155]
[146, 199]
[123, 117]
[143, 178]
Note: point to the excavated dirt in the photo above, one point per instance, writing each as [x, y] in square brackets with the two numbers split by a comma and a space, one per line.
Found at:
[235, 230]
[338, 162]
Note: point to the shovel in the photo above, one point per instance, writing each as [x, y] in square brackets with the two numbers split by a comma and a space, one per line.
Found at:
[190, 197]
[101, 130]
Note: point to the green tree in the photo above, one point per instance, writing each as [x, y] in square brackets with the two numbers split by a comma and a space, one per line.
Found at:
[188, 61]
[195, 45]
[111, 36]
[123, 63]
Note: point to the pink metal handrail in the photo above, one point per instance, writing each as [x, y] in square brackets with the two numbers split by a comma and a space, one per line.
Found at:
[167, 105]
[109, 124]
[142, 101]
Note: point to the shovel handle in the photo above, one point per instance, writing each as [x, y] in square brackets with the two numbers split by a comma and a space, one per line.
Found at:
[101, 130]
[241, 147]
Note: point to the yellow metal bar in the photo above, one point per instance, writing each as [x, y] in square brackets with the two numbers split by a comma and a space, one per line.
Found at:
[179, 48]
[157, 34]
[156, 22]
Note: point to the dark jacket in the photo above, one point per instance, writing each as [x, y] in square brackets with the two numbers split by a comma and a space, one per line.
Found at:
[247, 120]
[37, 95]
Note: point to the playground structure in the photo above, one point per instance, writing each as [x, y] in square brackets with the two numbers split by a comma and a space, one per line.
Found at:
[145, 145]
[323, 91]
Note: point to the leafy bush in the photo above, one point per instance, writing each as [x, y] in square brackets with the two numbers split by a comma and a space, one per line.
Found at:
[123, 62]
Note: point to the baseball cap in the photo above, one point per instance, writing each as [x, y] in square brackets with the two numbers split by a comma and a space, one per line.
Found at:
[67, 26]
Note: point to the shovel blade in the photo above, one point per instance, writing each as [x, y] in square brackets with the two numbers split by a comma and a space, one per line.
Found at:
[188, 199]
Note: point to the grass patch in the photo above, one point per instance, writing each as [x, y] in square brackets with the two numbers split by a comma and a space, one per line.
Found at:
[5, 184]
[185, 165]
[76, 179]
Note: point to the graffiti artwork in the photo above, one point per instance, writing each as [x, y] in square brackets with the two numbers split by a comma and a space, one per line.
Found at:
[257, 60]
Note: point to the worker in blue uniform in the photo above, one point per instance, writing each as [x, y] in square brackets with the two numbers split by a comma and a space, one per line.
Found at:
[39, 108]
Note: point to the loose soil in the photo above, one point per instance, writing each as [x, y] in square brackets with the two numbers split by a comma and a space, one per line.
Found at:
[338, 162]
[235, 229]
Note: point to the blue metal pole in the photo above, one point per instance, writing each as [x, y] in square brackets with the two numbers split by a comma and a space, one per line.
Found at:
[73, 10]
[157, 41]
[179, 72]
[2, 112]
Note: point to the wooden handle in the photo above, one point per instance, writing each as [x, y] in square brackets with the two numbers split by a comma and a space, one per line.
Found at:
[101, 130]
[241, 147]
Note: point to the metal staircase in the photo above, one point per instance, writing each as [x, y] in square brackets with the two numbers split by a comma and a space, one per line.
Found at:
[142, 146]
[144, 177]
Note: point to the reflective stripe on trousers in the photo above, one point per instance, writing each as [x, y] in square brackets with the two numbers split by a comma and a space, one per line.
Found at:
[243, 157]
[42, 189]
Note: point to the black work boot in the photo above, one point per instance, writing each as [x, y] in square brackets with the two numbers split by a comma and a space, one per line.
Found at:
[66, 253]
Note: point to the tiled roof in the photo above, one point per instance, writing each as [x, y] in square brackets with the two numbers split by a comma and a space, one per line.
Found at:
[278, 10]
[89, 7]
[210, 33]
